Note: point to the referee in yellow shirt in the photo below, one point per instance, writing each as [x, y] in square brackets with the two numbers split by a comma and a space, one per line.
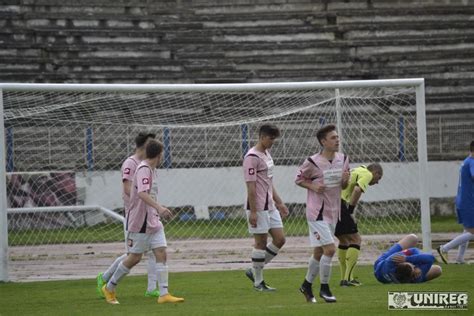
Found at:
[346, 229]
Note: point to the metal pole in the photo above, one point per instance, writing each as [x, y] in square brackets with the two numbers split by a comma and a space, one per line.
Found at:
[339, 120]
[401, 138]
[168, 164]
[423, 166]
[245, 138]
[3, 200]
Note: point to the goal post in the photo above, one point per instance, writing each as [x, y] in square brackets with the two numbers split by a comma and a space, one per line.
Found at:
[63, 145]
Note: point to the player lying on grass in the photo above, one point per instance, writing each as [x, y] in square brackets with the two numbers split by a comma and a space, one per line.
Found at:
[403, 263]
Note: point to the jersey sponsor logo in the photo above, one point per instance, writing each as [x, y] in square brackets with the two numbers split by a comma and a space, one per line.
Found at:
[126, 171]
[317, 236]
[146, 181]
[270, 166]
[130, 242]
[251, 171]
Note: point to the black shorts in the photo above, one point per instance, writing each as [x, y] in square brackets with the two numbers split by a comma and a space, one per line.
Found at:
[346, 225]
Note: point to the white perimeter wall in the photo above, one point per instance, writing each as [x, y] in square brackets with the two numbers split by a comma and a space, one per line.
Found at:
[225, 186]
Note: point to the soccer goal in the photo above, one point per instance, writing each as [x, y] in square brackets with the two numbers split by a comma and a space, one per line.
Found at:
[63, 145]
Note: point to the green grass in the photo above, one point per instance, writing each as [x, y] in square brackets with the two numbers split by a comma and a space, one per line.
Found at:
[236, 228]
[226, 293]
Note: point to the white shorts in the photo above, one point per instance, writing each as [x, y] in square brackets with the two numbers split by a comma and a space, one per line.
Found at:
[266, 220]
[321, 233]
[140, 242]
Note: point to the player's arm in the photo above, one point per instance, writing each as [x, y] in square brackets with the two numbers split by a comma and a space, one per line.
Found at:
[388, 266]
[422, 258]
[252, 200]
[250, 166]
[281, 207]
[146, 197]
[305, 177]
[127, 186]
[356, 194]
[346, 175]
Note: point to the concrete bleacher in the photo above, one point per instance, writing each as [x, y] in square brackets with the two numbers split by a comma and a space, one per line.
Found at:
[241, 41]
[215, 41]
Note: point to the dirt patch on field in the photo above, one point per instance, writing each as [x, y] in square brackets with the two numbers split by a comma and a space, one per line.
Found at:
[80, 261]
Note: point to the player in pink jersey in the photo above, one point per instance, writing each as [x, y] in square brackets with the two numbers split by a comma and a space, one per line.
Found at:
[324, 175]
[145, 230]
[263, 206]
[129, 167]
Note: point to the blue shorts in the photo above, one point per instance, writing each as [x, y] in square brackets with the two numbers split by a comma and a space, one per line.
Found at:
[465, 217]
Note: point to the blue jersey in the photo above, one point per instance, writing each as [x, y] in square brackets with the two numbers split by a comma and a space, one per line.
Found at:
[384, 267]
[465, 196]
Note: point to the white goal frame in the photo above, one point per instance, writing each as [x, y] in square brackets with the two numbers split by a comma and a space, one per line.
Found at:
[417, 83]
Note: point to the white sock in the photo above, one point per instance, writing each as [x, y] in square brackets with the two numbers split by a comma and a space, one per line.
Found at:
[313, 270]
[270, 252]
[151, 272]
[118, 275]
[461, 239]
[325, 269]
[162, 276]
[258, 262]
[461, 251]
[110, 271]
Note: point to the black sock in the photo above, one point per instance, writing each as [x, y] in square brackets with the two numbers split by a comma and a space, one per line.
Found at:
[324, 287]
[306, 284]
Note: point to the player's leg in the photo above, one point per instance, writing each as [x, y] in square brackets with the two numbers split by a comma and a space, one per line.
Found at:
[352, 257]
[459, 240]
[466, 218]
[260, 233]
[406, 242]
[342, 257]
[151, 290]
[123, 269]
[278, 236]
[321, 236]
[434, 272]
[409, 241]
[111, 269]
[103, 278]
[311, 274]
[159, 245]
[461, 251]
[325, 272]
[468, 222]
[137, 244]
[258, 262]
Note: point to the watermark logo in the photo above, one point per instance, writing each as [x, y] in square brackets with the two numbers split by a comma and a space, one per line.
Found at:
[428, 300]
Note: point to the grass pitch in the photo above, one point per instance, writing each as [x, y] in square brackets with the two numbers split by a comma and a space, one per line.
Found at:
[227, 293]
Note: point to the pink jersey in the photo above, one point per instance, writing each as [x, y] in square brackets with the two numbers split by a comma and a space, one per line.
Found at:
[129, 167]
[258, 167]
[324, 206]
[141, 217]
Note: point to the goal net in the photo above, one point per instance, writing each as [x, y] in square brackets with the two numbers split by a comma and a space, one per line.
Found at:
[64, 146]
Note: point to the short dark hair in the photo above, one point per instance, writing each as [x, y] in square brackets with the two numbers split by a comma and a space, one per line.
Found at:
[403, 272]
[375, 167]
[153, 149]
[472, 146]
[141, 138]
[269, 130]
[323, 131]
